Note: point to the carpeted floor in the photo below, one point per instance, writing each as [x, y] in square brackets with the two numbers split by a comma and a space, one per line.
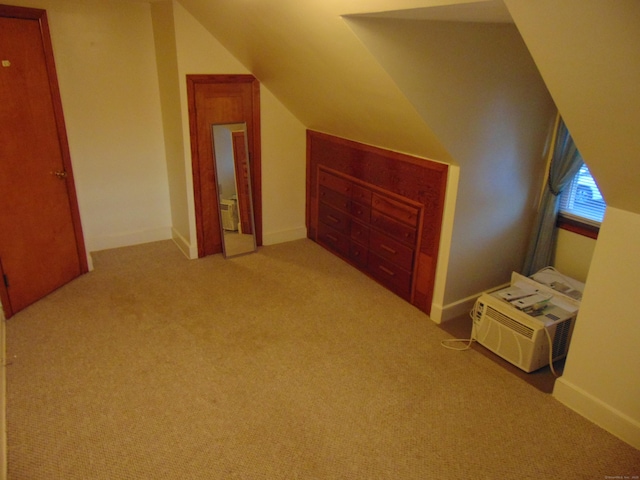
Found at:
[283, 364]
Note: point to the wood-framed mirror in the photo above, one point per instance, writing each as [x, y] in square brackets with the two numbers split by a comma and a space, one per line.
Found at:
[235, 206]
[217, 100]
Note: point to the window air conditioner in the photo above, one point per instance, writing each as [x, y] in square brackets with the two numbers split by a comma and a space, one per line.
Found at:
[521, 338]
[229, 215]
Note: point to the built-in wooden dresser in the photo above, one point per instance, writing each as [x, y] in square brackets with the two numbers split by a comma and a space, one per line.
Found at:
[371, 228]
[379, 210]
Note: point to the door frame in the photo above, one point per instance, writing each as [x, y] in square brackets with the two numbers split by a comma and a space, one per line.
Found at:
[40, 15]
[253, 141]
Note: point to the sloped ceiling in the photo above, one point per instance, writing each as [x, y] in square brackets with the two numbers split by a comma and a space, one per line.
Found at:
[588, 54]
[306, 54]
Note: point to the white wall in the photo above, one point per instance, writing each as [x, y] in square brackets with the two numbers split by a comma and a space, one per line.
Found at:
[478, 89]
[283, 136]
[106, 68]
[284, 149]
[573, 254]
[600, 378]
[587, 53]
[169, 81]
[130, 146]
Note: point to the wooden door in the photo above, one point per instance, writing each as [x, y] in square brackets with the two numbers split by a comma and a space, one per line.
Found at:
[221, 99]
[241, 165]
[41, 245]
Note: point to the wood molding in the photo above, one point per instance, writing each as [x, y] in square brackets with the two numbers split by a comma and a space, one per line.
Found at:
[576, 226]
[205, 190]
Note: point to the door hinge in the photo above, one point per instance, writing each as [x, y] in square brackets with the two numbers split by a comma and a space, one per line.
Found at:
[6, 280]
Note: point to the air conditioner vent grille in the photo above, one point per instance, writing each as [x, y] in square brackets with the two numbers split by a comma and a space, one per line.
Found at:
[509, 322]
[561, 339]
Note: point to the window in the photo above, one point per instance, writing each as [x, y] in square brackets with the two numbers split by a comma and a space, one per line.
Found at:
[581, 203]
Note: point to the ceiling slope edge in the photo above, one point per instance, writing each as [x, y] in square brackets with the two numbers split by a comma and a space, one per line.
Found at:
[314, 64]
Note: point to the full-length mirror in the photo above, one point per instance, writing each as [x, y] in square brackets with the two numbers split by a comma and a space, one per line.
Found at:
[231, 158]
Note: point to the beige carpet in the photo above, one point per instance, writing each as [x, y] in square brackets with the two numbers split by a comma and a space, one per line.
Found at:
[284, 364]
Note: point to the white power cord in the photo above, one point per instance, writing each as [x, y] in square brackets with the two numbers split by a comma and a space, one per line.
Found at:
[446, 343]
[553, 370]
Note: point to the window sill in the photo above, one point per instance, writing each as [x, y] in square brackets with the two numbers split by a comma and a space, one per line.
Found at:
[576, 226]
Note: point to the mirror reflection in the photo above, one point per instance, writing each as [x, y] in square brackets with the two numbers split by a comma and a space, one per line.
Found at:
[234, 188]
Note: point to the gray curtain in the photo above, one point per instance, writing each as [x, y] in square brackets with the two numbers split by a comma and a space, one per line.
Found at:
[565, 163]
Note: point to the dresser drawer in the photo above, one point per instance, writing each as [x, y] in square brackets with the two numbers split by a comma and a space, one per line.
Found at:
[360, 233]
[334, 218]
[335, 199]
[391, 227]
[358, 254]
[361, 212]
[390, 275]
[360, 194]
[333, 239]
[335, 183]
[399, 211]
[391, 250]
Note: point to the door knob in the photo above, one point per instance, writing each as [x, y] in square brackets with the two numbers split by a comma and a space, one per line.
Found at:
[60, 174]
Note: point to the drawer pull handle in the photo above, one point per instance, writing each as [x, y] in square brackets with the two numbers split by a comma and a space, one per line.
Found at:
[386, 270]
[388, 249]
[332, 237]
[333, 219]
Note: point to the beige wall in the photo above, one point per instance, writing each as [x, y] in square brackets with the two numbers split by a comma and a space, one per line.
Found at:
[573, 254]
[283, 139]
[600, 378]
[478, 89]
[174, 141]
[104, 55]
[586, 53]
[130, 144]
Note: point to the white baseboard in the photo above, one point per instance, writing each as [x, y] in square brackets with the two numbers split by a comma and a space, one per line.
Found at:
[90, 261]
[283, 236]
[598, 412]
[125, 239]
[441, 314]
[444, 313]
[188, 249]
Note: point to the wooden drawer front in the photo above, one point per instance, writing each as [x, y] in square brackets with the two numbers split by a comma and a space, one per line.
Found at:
[361, 212]
[358, 254]
[334, 218]
[337, 184]
[397, 230]
[391, 250]
[333, 239]
[403, 213]
[390, 275]
[361, 195]
[335, 199]
[360, 233]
